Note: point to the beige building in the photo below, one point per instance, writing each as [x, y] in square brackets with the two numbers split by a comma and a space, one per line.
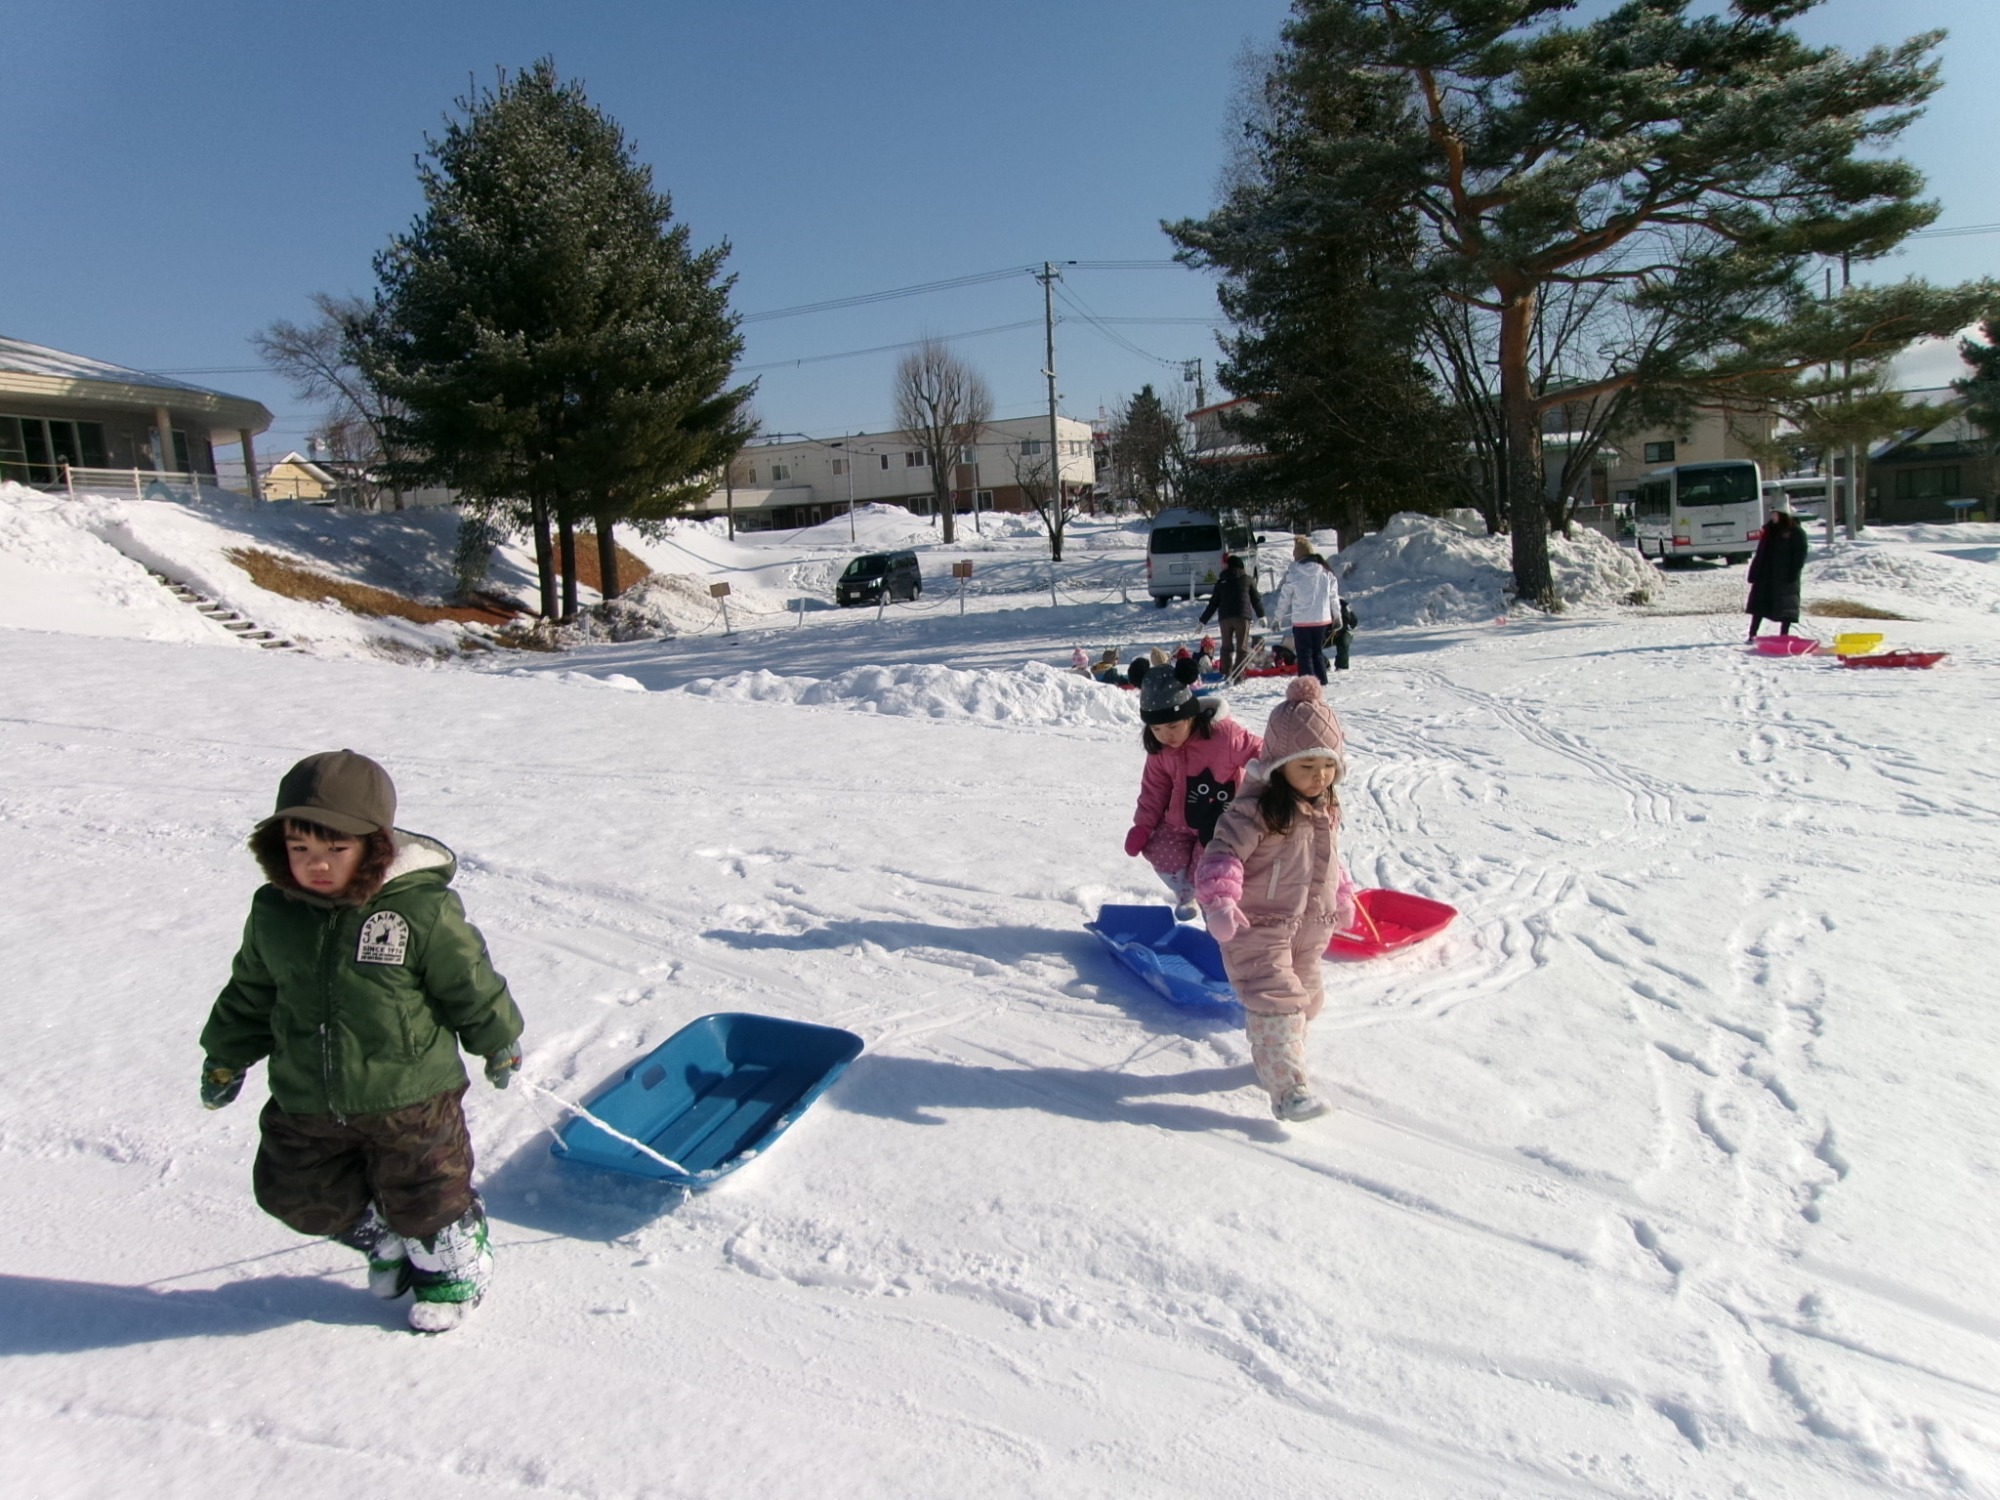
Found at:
[804, 481]
[1710, 437]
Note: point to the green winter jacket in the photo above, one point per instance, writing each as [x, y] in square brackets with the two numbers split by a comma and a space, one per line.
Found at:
[363, 1008]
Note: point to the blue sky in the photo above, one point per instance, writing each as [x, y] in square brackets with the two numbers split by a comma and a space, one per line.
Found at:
[180, 176]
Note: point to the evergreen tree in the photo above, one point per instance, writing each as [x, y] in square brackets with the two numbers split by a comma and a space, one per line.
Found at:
[1146, 450]
[1699, 167]
[554, 343]
[1982, 387]
[1315, 257]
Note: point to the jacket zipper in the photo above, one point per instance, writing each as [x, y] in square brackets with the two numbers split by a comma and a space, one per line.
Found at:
[326, 1011]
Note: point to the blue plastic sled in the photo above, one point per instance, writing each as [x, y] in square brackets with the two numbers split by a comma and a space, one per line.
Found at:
[1178, 961]
[712, 1096]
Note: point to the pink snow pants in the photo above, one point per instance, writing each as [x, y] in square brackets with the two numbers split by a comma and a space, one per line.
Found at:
[1174, 852]
[1275, 971]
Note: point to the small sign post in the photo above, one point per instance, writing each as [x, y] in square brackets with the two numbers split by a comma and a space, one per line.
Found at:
[961, 571]
[720, 593]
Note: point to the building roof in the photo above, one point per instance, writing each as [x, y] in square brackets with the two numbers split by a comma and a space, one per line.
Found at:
[54, 374]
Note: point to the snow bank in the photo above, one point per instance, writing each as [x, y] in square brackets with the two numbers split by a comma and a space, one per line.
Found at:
[57, 574]
[1419, 570]
[1038, 695]
[1963, 578]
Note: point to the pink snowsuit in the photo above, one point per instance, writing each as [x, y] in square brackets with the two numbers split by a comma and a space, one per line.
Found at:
[1199, 776]
[1288, 886]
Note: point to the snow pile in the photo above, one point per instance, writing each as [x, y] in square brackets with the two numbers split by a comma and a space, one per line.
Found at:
[1419, 570]
[57, 574]
[680, 604]
[1963, 581]
[1037, 695]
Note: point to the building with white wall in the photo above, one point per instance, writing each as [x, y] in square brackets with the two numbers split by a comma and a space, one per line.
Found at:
[790, 482]
[66, 414]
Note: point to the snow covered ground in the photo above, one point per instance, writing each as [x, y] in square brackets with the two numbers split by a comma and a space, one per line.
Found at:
[1668, 1170]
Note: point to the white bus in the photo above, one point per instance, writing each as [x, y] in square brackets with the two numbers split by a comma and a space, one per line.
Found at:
[1803, 497]
[1700, 510]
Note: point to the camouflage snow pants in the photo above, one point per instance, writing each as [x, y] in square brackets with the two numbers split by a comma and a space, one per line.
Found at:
[318, 1173]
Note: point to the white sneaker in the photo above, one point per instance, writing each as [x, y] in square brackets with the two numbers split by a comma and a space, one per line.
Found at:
[1301, 1104]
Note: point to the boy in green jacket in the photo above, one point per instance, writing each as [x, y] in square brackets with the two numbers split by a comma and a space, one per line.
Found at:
[359, 978]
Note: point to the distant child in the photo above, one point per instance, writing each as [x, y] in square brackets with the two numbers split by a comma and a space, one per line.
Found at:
[1194, 759]
[359, 978]
[1274, 891]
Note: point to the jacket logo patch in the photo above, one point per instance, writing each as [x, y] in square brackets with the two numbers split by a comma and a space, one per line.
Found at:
[385, 939]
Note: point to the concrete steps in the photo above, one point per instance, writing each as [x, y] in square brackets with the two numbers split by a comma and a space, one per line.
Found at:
[223, 615]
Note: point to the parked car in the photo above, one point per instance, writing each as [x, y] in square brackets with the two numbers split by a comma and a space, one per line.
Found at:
[1185, 549]
[879, 575]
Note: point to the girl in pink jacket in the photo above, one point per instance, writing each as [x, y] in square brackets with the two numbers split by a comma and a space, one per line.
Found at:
[1274, 890]
[1194, 760]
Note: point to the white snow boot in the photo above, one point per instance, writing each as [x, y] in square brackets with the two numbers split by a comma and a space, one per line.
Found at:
[450, 1271]
[1301, 1104]
[388, 1258]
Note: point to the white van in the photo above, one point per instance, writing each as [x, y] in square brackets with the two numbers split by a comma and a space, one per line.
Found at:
[1700, 510]
[1185, 550]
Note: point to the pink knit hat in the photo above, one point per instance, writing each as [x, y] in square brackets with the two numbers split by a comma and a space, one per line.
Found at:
[1304, 724]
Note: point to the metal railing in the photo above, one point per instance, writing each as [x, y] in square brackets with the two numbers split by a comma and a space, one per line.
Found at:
[140, 484]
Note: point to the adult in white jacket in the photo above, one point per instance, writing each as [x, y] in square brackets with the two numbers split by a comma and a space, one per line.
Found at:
[1310, 598]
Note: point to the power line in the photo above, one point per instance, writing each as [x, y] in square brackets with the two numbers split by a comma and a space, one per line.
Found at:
[1947, 234]
[813, 359]
[863, 298]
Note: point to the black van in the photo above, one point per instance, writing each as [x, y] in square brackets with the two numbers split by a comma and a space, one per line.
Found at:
[879, 575]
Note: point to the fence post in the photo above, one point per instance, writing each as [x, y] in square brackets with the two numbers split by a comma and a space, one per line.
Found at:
[720, 593]
[137, 492]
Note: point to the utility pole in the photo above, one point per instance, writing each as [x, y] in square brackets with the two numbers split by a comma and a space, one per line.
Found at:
[1191, 375]
[1048, 281]
[1847, 394]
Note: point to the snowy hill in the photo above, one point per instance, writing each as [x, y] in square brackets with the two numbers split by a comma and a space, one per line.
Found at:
[1667, 1170]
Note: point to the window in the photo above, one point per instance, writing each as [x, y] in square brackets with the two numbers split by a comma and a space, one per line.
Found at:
[1659, 453]
[983, 499]
[750, 475]
[780, 473]
[33, 448]
[916, 460]
[968, 454]
[885, 460]
[839, 466]
[1030, 447]
[1927, 484]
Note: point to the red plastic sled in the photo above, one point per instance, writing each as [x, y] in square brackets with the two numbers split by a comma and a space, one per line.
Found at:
[1786, 645]
[1386, 920]
[1896, 659]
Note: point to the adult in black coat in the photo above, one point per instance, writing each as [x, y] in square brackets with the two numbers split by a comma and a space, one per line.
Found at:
[1774, 574]
[1237, 601]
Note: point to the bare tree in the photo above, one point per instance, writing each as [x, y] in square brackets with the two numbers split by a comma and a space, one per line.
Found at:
[1056, 503]
[319, 360]
[943, 404]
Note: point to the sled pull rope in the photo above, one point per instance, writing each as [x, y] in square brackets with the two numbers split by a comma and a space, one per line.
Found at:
[618, 1135]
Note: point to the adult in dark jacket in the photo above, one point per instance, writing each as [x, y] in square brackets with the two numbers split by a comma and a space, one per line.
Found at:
[1237, 602]
[1774, 574]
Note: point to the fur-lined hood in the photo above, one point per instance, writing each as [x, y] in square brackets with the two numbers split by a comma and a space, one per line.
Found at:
[388, 858]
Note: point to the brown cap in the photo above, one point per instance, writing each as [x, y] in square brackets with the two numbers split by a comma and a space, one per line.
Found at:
[337, 789]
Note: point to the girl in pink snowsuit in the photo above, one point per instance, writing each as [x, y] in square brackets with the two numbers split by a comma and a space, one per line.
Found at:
[1194, 760]
[1274, 891]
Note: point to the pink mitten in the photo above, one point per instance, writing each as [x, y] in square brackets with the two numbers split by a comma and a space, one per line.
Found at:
[1135, 841]
[1225, 920]
[1344, 910]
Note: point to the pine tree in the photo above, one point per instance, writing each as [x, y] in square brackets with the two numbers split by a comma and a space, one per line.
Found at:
[553, 341]
[1698, 168]
[1326, 319]
[1146, 450]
